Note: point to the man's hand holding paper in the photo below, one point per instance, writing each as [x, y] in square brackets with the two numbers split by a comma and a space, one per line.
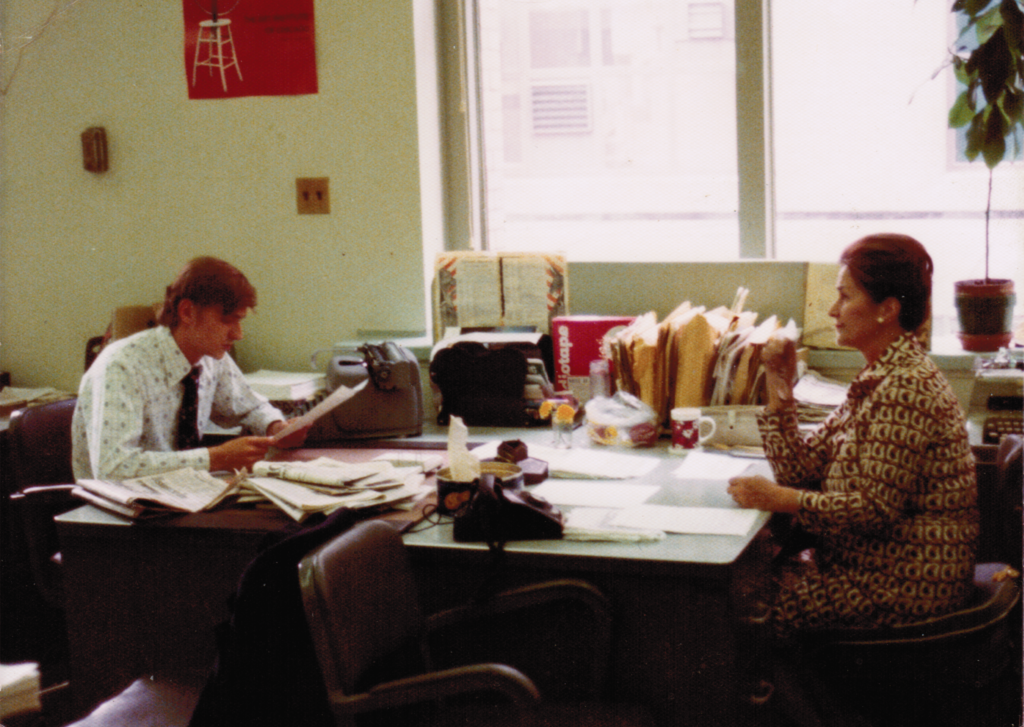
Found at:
[295, 439]
[283, 436]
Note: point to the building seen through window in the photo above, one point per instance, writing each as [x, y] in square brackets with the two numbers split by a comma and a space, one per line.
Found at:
[609, 133]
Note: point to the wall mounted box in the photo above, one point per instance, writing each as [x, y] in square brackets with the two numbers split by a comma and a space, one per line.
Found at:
[94, 150]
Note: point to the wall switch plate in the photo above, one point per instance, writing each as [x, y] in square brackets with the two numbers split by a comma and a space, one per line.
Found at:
[312, 195]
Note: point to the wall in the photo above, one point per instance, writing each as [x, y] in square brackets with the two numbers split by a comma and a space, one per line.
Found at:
[635, 288]
[217, 177]
[202, 177]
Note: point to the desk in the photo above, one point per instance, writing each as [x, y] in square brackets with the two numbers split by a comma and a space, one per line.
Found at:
[673, 647]
[145, 597]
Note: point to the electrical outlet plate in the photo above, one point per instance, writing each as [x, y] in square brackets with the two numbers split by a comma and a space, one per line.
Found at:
[312, 195]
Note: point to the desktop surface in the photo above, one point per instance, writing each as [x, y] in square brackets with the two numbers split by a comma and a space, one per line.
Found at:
[147, 596]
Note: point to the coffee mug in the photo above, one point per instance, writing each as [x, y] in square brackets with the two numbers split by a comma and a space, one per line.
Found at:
[687, 428]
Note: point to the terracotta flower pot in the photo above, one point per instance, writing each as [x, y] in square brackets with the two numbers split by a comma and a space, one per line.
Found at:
[985, 310]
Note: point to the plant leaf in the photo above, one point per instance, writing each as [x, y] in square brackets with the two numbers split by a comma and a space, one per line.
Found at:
[975, 136]
[993, 64]
[961, 113]
[1013, 28]
[1013, 106]
[971, 7]
[960, 71]
[994, 145]
[988, 24]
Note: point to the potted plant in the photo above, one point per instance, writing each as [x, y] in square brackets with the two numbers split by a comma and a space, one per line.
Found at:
[991, 106]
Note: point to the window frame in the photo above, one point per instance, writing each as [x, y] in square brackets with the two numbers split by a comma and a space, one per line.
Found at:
[464, 186]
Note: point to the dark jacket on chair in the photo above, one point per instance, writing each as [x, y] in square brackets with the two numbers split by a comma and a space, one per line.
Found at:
[266, 671]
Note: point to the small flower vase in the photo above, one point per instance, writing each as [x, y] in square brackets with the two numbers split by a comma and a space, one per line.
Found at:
[563, 418]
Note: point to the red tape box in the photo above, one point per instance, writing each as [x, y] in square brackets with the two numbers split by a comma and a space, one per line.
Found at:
[577, 342]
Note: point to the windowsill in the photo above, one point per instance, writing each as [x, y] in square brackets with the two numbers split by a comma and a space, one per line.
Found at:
[946, 352]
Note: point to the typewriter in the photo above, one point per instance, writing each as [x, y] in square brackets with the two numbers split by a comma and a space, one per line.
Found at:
[997, 399]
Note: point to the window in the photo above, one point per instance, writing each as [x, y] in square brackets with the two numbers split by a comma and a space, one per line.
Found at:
[862, 145]
[609, 128]
[706, 21]
[610, 131]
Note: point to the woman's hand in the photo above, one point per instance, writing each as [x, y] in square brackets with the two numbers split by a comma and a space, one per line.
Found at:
[779, 359]
[760, 493]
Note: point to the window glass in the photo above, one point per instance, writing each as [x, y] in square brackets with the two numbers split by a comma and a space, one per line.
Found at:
[609, 133]
[609, 128]
[862, 145]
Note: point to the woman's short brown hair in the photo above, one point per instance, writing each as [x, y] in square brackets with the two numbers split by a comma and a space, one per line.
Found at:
[207, 281]
[889, 265]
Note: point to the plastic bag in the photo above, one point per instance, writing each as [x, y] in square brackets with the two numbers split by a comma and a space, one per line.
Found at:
[621, 420]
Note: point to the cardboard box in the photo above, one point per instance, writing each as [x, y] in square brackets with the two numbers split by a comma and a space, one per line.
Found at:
[577, 342]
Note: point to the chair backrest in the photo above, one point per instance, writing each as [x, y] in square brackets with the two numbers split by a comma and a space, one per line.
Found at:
[361, 603]
[40, 444]
[1010, 496]
[39, 438]
[124, 322]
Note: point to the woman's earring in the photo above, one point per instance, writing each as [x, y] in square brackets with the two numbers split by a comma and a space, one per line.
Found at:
[881, 320]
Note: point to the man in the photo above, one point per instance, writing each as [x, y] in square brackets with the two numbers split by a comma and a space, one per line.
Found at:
[135, 414]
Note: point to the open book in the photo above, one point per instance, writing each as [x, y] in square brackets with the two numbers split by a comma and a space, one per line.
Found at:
[182, 490]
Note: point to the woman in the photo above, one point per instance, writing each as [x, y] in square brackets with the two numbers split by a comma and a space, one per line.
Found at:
[886, 485]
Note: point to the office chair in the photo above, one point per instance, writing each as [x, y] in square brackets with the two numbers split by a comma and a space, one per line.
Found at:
[39, 476]
[372, 642]
[125, 321]
[1010, 498]
[40, 458]
[961, 669]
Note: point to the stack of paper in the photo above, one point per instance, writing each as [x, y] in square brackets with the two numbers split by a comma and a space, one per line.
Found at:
[13, 398]
[19, 689]
[692, 347]
[739, 375]
[638, 511]
[286, 386]
[326, 484]
[695, 357]
[816, 396]
[183, 490]
[703, 520]
[297, 488]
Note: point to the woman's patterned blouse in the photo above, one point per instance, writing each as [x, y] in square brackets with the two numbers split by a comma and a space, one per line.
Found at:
[888, 486]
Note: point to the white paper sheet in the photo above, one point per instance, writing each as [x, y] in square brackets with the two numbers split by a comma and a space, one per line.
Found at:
[691, 520]
[813, 388]
[338, 396]
[701, 465]
[587, 493]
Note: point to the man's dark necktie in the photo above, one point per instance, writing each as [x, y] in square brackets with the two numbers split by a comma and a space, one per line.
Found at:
[188, 417]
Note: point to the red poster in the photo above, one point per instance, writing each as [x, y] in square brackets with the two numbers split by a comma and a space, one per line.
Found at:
[249, 48]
